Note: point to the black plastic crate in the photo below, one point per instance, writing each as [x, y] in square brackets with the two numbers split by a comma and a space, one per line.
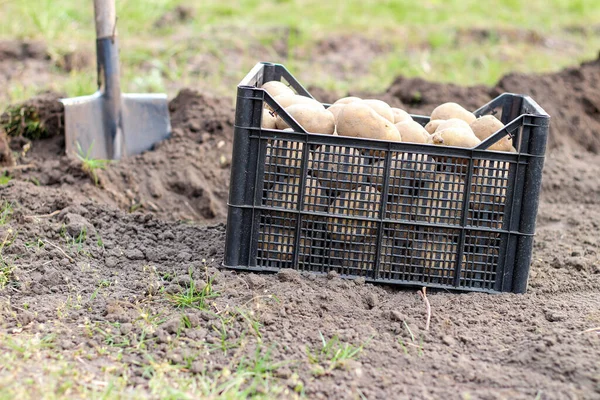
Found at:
[391, 212]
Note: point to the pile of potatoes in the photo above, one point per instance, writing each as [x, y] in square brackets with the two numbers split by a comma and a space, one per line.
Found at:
[450, 124]
[345, 181]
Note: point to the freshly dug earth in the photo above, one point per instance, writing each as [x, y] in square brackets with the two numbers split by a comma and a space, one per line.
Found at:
[91, 287]
[184, 178]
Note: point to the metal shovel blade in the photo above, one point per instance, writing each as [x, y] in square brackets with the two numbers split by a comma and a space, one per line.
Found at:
[109, 124]
[144, 122]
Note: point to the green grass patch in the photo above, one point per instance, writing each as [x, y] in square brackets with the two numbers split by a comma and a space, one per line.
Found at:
[91, 165]
[332, 354]
[193, 296]
[5, 178]
[217, 45]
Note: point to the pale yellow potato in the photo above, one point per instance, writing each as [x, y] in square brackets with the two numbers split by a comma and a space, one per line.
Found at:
[381, 107]
[359, 120]
[268, 119]
[406, 171]
[337, 167]
[412, 132]
[485, 126]
[347, 100]
[452, 110]
[285, 195]
[335, 110]
[400, 115]
[277, 244]
[276, 88]
[433, 259]
[488, 186]
[453, 123]
[314, 119]
[441, 201]
[286, 100]
[455, 137]
[433, 125]
[363, 201]
[285, 158]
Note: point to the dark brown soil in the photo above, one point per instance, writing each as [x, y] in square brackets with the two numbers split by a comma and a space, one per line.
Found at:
[537, 345]
[185, 178]
[571, 97]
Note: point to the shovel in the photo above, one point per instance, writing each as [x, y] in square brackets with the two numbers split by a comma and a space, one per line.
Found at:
[109, 124]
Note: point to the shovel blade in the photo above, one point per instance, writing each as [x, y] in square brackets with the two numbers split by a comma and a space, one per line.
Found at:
[144, 122]
[84, 125]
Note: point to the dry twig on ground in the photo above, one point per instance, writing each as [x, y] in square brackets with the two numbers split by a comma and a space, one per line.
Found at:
[423, 294]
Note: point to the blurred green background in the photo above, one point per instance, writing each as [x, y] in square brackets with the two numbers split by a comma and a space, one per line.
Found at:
[340, 46]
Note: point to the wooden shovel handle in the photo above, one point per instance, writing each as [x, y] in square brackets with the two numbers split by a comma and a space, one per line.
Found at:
[106, 18]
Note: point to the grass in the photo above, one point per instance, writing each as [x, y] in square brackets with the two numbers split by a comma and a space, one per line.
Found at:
[90, 165]
[406, 345]
[193, 297]
[5, 178]
[6, 209]
[217, 46]
[7, 269]
[23, 121]
[332, 354]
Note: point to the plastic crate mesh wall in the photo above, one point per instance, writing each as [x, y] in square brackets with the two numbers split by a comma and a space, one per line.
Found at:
[407, 210]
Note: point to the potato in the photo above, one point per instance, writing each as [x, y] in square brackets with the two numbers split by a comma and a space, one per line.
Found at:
[433, 258]
[312, 118]
[335, 110]
[359, 120]
[485, 126]
[453, 123]
[474, 266]
[480, 255]
[412, 132]
[357, 256]
[488, 186]
[347, 100]
[400, 115]
[381, 107]
[276, 245]
[400, 207]
[452, 110]
[286, 100]
[394, 257]
[268, 119]
[363, 201]
[441, 201]
[284, 194]
[407, 171]
[337, 167]
[454, 137]
[433, 125]
[283, 157]
[275, 88]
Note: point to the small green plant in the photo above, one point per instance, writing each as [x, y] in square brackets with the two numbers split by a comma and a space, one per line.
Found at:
[413, 343]
[332, 354]
[6, 272]
[91, 165]
[23, 120]
[6, 210]
[191, 297]
[5, 178]
[103, 284]
[36, 244]
[225, 343]
[253, 324]
[6, 267]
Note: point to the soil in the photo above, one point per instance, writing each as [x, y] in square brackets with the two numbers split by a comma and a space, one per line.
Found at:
[155, 217]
